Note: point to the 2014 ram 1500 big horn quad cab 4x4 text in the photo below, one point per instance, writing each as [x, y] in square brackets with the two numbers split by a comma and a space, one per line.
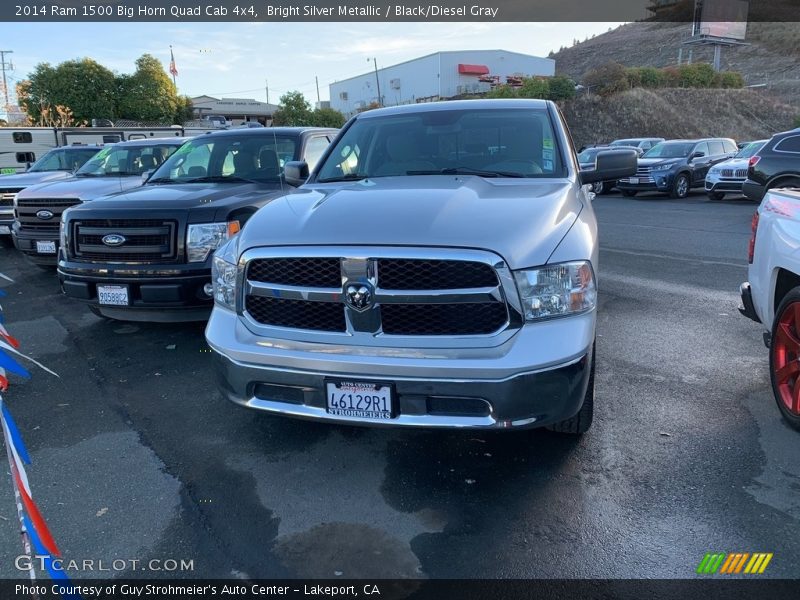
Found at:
[146, 254]
[437, 269]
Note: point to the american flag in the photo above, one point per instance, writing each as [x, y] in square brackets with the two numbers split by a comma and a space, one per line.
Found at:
[172, 68]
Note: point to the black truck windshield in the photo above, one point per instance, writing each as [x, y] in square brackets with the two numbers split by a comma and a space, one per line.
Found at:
[229, 158]
[489, 143]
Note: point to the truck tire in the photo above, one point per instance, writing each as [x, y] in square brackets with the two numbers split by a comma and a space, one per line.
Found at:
[681, 186]
[784, 353]
[629, 193]
[582, 421]
[788, 183]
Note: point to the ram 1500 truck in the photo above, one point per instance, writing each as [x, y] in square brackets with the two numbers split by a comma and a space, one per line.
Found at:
[116, 168]
[438, 269]
[146, 254]
[771, 296]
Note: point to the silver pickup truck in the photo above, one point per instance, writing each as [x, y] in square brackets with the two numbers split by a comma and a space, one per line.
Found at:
[437, 269]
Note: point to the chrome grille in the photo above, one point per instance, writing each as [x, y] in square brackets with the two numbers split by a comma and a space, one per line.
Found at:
[27, 208]
[146, 240]
[734, 173]
[643, 175]
[410, 295]
[7, 197]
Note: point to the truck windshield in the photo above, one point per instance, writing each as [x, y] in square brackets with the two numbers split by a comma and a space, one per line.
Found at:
[669, 150]
[62, 159]
[481, 142]
[122, 160]
[229, 158]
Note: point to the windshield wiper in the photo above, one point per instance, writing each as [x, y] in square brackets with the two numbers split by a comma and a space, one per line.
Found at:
[467, 171]
[348, 177]
[86, 175]
[220, 179]
[162, 180]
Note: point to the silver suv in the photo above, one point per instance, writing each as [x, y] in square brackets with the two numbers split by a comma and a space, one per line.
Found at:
[437, 269]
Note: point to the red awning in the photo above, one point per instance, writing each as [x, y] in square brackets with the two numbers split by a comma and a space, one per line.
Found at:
[473, 69]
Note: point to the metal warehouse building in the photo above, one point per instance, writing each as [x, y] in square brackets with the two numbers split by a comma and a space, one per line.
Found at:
[435, 77]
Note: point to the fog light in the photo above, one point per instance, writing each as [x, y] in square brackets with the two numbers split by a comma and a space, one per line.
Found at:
[208, 290]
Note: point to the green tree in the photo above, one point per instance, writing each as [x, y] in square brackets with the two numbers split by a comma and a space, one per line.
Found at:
[561, 88]
[502, 91]
[534, 87]
[607, 79]
[83, 86]
[294, 110]
[327, 117]
[148, 94]
[185, 110]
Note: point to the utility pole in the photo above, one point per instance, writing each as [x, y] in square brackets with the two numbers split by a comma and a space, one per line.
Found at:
[5, 66]
[377, 81]
[316, 79]
[266, 83]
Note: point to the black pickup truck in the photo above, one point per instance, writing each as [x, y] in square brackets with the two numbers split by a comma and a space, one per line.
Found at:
[145, 255]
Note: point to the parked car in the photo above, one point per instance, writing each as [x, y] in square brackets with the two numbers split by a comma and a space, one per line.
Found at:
[642, 145]
[436, 270]
[675, 167]
[728, 176]
[771, 296]
[586, 160]
[775, 165]
[58, 163]
[145, 254]
[116, 168]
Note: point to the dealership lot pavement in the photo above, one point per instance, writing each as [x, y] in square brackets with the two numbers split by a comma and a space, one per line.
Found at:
[136, 456]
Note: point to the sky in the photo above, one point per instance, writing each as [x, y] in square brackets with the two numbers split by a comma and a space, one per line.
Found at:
[241, 59]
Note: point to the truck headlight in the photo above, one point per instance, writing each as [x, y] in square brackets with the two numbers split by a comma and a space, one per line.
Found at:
[557, 290]
[663, 167]
[223, 274]
[62, 236]
[203, 239]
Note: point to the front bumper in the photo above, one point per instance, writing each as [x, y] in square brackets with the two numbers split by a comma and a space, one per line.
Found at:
[26, 242]
[157, 293]
[536, 378]
[655, 182]
[748, 309]
[715, 184]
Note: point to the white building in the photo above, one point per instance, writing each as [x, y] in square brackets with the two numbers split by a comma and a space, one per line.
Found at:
[236, 110]
[436, 77]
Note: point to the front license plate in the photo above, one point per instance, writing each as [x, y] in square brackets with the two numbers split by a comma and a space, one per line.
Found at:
[5, 230]
[633, 180]
[359, 399]
[113, 295]
[45, 247]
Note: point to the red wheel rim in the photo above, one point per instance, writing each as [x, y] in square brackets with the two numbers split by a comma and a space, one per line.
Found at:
[786, 358]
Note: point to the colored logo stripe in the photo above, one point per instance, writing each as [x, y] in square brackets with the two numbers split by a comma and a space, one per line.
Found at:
[734, 563]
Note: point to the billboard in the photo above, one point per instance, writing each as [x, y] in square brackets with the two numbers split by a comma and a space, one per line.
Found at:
[726, 19]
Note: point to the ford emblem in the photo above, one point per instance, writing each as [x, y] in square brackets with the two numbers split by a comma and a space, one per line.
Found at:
[113, 239]
[44, 215]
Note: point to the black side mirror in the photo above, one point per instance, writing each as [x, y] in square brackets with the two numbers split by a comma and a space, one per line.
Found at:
[295, 172]
[694, 155]
[611, 165]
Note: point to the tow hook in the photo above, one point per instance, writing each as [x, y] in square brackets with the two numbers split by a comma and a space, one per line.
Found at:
[767, 338]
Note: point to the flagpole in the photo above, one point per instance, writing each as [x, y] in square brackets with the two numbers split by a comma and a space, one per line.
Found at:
[172, 66]
[26, 542]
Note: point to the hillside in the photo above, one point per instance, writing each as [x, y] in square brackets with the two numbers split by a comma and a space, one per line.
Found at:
[677, 113]
[772, 56]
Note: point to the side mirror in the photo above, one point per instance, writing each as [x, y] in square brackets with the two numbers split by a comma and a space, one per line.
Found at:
[610, 165]
[146, 175]
[694, 155]
[295, 172]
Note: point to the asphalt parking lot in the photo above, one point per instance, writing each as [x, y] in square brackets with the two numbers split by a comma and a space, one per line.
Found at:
[137, 457]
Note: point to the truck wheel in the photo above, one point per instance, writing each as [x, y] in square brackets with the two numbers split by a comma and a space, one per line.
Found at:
[606, 187]
[784, 357]
[680, 187]
[785, 183]
[716, 195]
[582, 421]
[629, 193]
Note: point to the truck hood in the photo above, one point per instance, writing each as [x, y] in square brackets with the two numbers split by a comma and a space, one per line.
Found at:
[523, 220]
[85, 188]
[203, 199]
[23, 180]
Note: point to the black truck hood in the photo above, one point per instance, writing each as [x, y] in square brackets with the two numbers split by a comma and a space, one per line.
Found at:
[203, 201]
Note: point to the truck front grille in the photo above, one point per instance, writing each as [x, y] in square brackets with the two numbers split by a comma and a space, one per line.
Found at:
[7, 196]
[145, 240]
[734, 173]
[28, 209]
[405, 296]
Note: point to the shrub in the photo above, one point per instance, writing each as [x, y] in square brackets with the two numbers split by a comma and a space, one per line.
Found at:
[561, 88]
[728, 79]
[697, 75]
[672, 78]
[607, 79]
[502, 91]
[534, 87]
[652, 77]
